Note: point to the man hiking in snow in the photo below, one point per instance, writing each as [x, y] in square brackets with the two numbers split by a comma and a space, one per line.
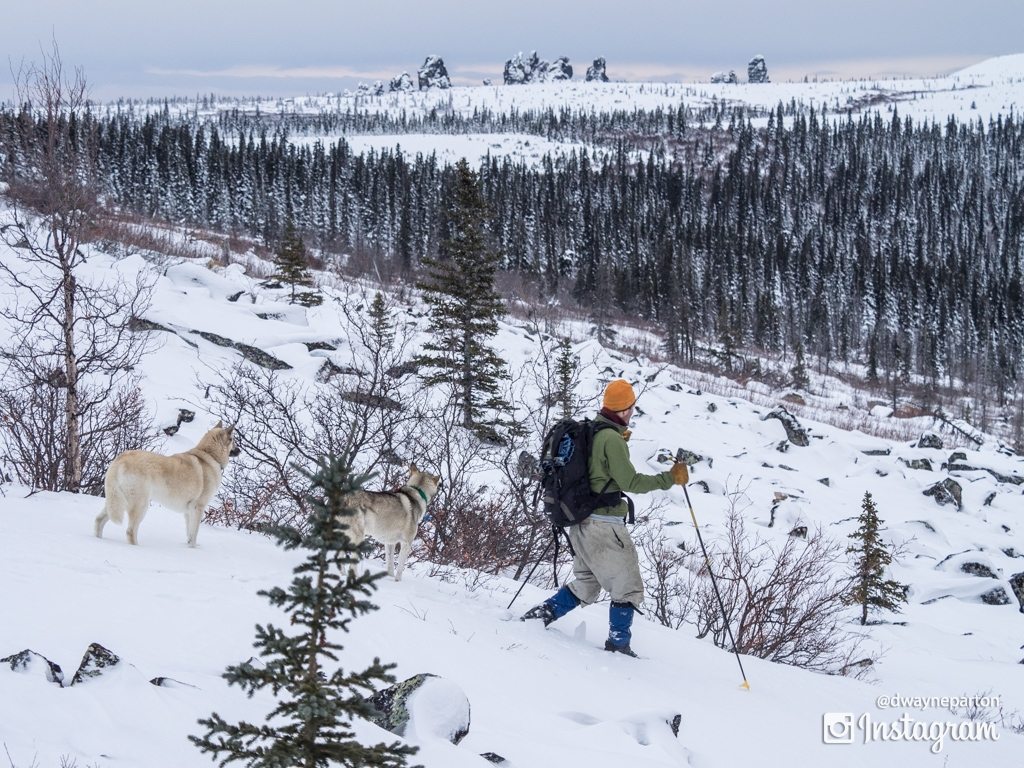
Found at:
[605, 557]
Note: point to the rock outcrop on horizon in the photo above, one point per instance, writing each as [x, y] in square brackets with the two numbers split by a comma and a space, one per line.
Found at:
[757, 70]
[724, 77]
[559, 69]
[377, 89]
[402, 83]
[433, 74]
[596, 71]
[532, 69]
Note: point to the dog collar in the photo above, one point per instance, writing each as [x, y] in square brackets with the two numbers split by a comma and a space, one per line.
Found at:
[419, 490]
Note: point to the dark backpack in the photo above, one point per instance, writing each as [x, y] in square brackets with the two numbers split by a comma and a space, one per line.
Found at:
[565, 473]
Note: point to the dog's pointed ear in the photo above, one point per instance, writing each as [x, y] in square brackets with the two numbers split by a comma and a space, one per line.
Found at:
[413, 468]
[219, 424]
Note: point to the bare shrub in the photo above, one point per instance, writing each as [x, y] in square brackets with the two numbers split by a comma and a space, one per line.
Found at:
[245, 506]
[122, 423]
[284, 426]
[368, 414]
[33, 428]
[783, 602]
[461, 508]
[671, 578]
[470, 531]
[987, 707]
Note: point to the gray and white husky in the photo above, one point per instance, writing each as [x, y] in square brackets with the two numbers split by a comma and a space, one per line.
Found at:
[392, 517]
[184, 482]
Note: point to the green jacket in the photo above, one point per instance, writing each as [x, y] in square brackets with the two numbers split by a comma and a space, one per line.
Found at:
[609, 459]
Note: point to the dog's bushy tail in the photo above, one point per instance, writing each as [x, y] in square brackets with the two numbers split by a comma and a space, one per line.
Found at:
[115, 502]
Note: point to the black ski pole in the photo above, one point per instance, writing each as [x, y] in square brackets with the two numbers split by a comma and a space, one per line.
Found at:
[714, 583]
[530, 574]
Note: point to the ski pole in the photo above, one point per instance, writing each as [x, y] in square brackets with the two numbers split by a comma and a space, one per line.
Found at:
[530, 574]
[714, 583]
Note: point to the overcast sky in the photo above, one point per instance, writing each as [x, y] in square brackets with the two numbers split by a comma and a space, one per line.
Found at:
[148, 48]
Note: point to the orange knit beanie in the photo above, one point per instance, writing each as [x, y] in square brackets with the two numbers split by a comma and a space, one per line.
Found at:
[619, 395]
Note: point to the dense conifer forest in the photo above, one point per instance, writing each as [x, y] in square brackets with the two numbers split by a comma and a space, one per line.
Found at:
[863, 238]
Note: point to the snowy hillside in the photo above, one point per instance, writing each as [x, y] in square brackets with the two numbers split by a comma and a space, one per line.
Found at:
[539, 698]
[983, 91]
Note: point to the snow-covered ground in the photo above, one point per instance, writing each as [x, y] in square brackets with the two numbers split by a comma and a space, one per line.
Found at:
[450, 148]
[983, 91]
[539, 698]
[993, 86]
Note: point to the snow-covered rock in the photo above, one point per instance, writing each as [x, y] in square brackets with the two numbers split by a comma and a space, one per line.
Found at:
[28, 662]
[433, 74]
[95, 663]
[757, 70]
[797, 434]
[424, 706]
[596, 71]
[947, 491]
[1017, 585]
[929, 440]
[995, 596]
[519, 70]
[559, 69]
[402, 83]
[724, 77]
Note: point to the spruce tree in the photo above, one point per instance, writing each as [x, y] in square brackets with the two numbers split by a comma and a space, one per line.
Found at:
[382, 329]
[798, 373]
[291, 261]
[567, 374]
[464, 305]
[871, 590]
[310, 726]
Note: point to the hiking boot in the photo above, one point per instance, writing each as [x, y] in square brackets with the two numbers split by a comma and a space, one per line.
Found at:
[620, 621]
[555, 607]
[544, 612]
[625, 649]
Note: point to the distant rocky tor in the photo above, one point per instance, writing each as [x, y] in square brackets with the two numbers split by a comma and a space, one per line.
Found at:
[757, 70]
[433, 74]
[402, 83]
[532, 69]
[596, 71]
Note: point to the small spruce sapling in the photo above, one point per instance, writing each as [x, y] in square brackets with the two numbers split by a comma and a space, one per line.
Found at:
[316, 701]
[871, 590]
[291, 263]
[798, 373]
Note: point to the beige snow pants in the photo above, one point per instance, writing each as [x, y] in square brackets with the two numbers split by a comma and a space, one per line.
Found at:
[605, 559]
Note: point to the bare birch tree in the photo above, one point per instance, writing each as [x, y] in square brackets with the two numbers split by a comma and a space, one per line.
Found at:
[65, 332]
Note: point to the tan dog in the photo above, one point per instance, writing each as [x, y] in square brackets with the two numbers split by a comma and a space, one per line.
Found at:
[392, 517]
[184, 482]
